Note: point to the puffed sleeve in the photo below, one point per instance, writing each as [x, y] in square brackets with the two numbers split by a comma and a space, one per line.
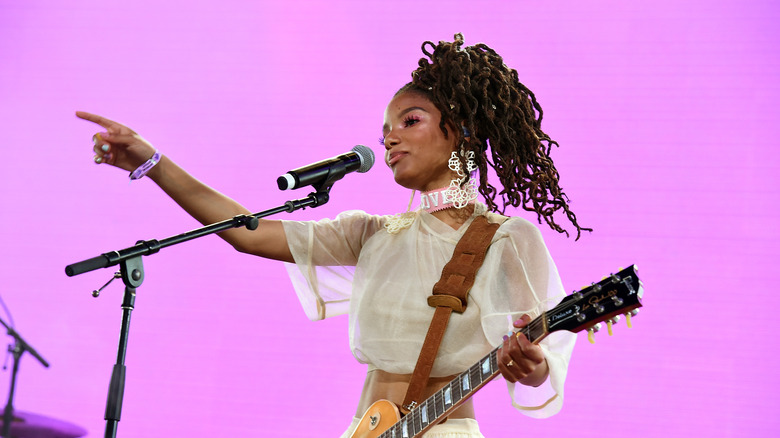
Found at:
[325, 253]
[526, 269]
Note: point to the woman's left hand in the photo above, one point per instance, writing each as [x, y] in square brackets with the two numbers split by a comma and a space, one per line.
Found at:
[521, 361]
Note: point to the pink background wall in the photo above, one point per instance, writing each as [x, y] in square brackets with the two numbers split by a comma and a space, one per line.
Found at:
[667, 117]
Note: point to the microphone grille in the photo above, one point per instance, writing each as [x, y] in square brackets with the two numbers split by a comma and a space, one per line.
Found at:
[366, 158]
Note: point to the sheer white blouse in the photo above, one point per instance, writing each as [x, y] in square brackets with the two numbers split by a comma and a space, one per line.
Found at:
[353, 265]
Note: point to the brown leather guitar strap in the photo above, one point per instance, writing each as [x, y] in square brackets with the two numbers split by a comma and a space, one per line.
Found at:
[449, 294]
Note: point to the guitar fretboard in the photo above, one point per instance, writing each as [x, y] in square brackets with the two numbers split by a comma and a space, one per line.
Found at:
[445, 400]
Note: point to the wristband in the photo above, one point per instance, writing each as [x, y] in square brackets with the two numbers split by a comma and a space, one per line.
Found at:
[146, 167]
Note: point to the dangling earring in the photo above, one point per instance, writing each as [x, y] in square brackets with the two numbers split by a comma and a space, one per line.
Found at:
[463, 189]
[400, 221]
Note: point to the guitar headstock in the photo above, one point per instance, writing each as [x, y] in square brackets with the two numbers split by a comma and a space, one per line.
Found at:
[615, 295]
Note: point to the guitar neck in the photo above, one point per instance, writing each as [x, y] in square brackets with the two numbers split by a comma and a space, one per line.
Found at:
[458, 390]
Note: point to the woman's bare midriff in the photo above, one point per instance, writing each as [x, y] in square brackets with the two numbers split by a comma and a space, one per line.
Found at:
[381, 385]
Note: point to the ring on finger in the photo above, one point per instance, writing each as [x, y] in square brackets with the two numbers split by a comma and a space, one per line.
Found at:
[511, 362]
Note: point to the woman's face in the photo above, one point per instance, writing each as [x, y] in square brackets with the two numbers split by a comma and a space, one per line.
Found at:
[415, 147]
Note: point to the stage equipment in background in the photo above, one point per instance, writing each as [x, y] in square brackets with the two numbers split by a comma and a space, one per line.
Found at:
[25, 424]
[132, 270]
[615, 295]
[29, 425]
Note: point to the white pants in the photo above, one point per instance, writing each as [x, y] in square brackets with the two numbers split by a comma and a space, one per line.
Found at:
[452, 428]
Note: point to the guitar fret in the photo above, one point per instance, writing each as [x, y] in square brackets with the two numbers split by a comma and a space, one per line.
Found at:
[389, 433]
[536, 332]
[475, 375]
[486, 369]
[418, 416]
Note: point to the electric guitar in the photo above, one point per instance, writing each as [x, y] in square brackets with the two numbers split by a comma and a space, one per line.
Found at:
[615, 295]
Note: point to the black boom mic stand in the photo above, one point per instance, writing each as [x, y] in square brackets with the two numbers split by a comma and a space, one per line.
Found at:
[132, 273]
[18, 349]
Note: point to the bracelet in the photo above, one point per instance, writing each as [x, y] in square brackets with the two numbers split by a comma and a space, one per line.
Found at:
[146, 167]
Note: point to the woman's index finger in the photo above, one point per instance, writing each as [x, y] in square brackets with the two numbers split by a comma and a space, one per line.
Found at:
[94, 118]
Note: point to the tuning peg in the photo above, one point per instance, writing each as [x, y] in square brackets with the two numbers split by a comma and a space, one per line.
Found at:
[610, 322]
[592, 331]
[629, 315]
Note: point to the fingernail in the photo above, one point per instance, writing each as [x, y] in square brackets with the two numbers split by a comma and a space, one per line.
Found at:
[98, 160]
[506, 337]
[107, 157]
[104, 147]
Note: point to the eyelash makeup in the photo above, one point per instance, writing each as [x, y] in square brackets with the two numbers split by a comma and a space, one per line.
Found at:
[407, 123]
[409, 119]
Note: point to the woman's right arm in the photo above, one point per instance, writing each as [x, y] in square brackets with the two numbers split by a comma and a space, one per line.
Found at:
[121, 147]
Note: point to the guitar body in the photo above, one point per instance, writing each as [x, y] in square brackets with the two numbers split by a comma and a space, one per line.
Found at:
[379, 417]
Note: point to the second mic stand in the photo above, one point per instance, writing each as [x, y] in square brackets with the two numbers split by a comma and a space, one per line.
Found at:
[131, 268]
[20, 346]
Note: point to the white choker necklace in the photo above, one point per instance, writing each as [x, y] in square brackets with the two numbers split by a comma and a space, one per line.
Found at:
[438, 199]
